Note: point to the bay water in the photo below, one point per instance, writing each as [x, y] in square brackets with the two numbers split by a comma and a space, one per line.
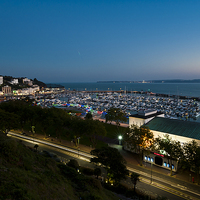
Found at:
[179, 89]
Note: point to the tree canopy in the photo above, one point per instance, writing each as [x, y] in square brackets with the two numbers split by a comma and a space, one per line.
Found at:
[134, 179]
[88, 116]
[139, 139]
[192, 157]
[112, 161]
[172, 148]
[116, 114]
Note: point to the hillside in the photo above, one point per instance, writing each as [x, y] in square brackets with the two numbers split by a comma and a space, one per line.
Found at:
[7, 81]
[25, 174]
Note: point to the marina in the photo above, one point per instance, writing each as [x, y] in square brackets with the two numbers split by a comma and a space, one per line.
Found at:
[99, 102]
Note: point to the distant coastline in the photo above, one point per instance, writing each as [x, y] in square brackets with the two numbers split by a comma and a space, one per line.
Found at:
[155, 81]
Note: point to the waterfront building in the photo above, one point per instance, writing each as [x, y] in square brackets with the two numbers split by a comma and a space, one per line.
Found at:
[27, 81]
[1, 80]
[6, 89]
[31, 90]
[178, 130]
[14, 81]
[143, 117]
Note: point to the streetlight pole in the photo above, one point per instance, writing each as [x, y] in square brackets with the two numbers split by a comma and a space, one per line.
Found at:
[151, 172]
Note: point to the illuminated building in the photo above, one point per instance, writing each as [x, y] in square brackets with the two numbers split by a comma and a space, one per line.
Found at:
[1, 80]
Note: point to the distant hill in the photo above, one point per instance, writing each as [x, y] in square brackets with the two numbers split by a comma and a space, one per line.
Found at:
[25, 174]
[155, 81]
[39, 83]
[176, 81]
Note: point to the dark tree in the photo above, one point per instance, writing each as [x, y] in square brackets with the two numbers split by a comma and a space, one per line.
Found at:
[172, 148]
[97, 172]
[36, 146]
[134, 179]
[94, 128]
[88, 116]
[73, 163]
[192, 157]
[117, 115]
[139, 139]
[112, 161]
[8, 121]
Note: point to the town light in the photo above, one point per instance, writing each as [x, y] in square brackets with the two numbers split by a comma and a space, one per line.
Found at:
[120, 138]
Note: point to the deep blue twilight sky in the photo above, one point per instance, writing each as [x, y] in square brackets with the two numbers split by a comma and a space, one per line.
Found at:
[91, 40]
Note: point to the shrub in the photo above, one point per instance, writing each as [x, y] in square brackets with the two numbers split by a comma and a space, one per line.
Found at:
[73, 163]
[87, 171]
[97, 172]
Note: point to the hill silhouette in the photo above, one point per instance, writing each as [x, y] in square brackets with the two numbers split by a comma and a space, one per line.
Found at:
[25, 174]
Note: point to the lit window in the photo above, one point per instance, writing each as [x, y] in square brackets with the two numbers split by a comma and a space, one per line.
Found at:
[151, 159]
[168, 165]
[172, 166]
[148, 158]
[145, 157]
[165, 164]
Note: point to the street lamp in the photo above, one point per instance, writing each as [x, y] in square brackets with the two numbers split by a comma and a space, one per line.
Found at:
[151, 169]
[78, 140]
[120, 139]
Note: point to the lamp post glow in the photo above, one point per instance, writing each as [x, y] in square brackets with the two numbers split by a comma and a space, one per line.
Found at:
[120, 139]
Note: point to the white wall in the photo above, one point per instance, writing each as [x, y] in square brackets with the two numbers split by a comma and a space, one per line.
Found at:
[1, 80]
[136, 121]
[174, 137]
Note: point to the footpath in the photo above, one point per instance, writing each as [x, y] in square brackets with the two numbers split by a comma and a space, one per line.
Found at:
[181, 179]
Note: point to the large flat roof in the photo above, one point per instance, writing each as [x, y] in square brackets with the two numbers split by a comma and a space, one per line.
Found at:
[147, 116]
[176, 127]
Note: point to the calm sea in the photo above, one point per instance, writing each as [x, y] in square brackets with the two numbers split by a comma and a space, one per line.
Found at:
[180, 89]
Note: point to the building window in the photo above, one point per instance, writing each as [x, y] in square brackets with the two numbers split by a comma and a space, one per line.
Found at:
[168, 165]
[165, 164]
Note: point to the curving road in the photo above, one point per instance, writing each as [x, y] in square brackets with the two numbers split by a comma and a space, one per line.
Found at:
[163, 186]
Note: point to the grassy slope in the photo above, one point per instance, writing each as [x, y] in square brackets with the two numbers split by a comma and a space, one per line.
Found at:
[25, 174]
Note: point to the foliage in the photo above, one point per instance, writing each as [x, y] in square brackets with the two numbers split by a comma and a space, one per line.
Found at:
[25, 174]
[116, 114]
[88, 116]
[87, 171]
[192, 156]
[134, 179]
[39, 83]
[94, 128]
[8, 121]
[36, 146]
[172, 148]
[97, 172]
[73, 163]
[139, 139]
[112, 161]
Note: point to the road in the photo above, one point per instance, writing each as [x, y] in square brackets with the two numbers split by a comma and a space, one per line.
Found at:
[159, 186]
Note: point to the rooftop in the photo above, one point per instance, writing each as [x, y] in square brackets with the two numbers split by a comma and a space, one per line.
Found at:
[153, 114]
[177, 127]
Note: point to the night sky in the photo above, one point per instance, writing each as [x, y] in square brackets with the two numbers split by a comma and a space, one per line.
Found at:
[88, 41]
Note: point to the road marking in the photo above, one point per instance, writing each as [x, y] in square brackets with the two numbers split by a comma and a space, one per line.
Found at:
[168, 189]
[161, 180]
[75, 153]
